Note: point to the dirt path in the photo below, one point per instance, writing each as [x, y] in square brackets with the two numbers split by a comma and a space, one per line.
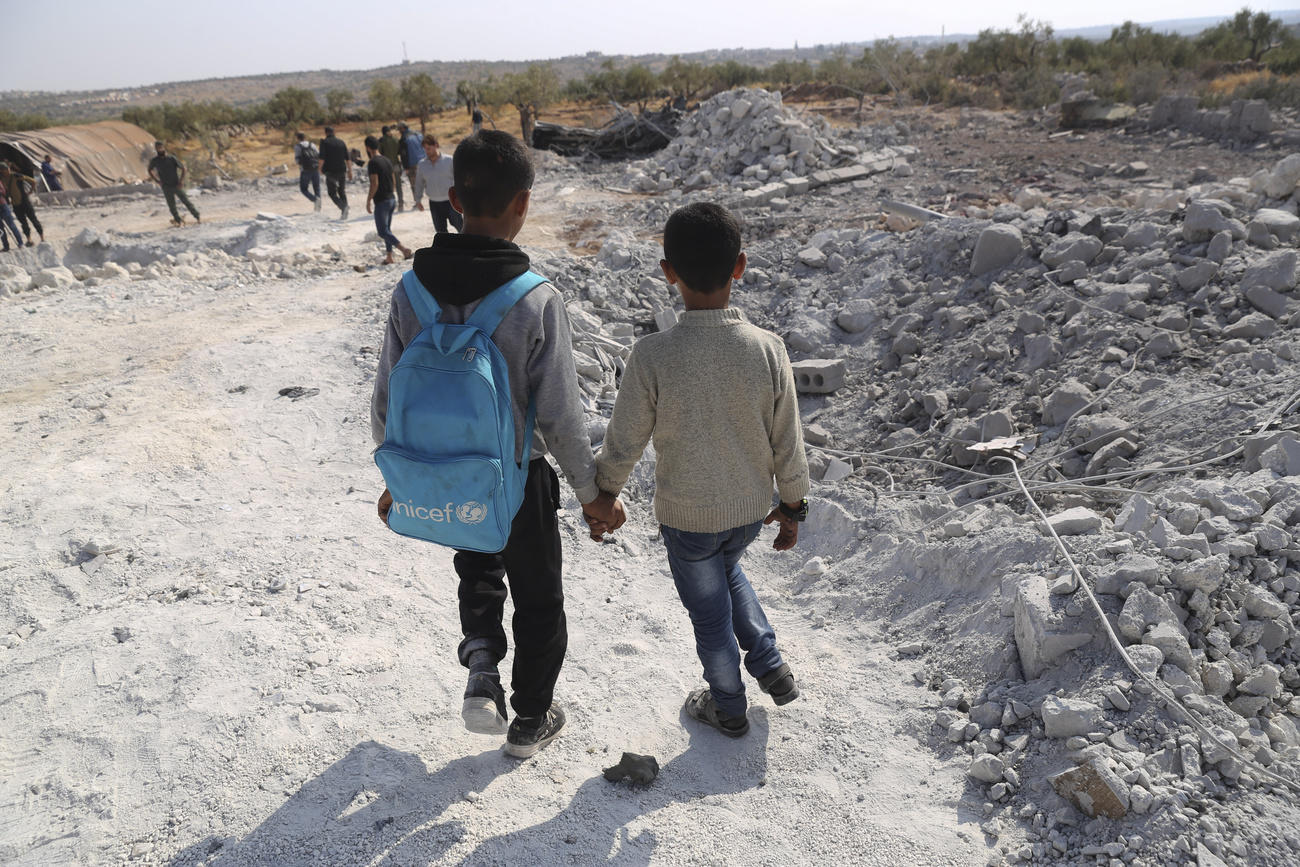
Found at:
[254, 672]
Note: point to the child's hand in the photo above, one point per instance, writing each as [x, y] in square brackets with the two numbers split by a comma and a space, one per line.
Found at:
[788, 534]
[605, 514]
[385, 503]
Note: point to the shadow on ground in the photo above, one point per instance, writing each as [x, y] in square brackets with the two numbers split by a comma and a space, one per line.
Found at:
[379, 805]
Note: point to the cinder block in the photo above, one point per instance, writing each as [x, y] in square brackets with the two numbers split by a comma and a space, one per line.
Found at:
[822, 178]
[818, 376]
[798, 185]
[765, 193]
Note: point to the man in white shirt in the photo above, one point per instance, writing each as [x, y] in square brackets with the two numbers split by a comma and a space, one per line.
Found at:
[433, 176]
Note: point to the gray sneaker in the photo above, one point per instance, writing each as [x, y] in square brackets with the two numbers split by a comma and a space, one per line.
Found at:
[344, 215]
[780, 684]
[700, 705]
[528, 734]
[316, 204]
[484, 708]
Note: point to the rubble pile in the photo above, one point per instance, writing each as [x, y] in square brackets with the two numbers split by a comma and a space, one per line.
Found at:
[1142, 354]
[745, 139]
[1145, 350]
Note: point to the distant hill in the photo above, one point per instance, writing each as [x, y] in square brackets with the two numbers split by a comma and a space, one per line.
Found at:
[249, 89]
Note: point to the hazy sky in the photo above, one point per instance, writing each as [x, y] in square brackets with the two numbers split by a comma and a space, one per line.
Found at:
[93, 44]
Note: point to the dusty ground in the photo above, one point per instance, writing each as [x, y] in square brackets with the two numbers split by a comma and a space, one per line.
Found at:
[220, 656]
[258, 673]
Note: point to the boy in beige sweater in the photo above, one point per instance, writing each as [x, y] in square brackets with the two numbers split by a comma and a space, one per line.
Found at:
[717, 396]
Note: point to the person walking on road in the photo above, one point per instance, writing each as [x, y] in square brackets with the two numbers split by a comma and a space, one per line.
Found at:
[308, 159]
[381, 201]
[391, 148]
[337, 168]
[433, 177]
[169, 173]
[411, 154]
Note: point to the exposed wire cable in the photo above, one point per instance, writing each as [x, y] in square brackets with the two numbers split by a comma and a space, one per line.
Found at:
[1170, 700]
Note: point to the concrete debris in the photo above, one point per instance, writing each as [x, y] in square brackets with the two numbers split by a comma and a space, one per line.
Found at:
[1067, 717]
[1137, 334]
[1093, 789]
[821, 376]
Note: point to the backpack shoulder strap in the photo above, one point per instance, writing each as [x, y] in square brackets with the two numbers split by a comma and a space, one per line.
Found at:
[494, 307]
[426, 309]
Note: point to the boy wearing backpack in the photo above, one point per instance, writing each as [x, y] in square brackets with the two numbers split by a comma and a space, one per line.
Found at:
[718, 396]
[492, 179]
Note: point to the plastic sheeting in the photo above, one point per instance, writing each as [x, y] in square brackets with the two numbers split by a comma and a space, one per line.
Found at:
[101, 154]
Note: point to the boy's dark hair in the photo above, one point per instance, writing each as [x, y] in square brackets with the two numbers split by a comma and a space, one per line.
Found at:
[488, 170]
[702, 243]
[372, 143]
[429, 139]
[301, 136]
[329, 131]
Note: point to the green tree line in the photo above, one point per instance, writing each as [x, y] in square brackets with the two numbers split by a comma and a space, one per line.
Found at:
[1010, 67]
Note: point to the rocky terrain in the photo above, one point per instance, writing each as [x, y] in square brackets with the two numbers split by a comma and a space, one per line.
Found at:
[214, 655]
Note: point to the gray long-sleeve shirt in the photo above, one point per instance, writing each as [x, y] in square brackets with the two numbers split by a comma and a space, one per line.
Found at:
[537, 344]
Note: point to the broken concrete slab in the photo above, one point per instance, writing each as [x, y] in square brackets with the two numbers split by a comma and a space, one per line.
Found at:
[1094, 789]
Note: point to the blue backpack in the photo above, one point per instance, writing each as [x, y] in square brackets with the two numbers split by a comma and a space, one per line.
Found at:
[448, 456]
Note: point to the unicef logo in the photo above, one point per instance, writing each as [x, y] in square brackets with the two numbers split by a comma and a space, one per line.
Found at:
[471, 512]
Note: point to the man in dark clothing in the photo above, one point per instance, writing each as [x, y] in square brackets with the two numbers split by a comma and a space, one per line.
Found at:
[391, 148]
[380, 200]
[308, 160]
[493, 181]
[18, 188]
[411, 153]
[51, 174]
[337, 168]
[169, 173]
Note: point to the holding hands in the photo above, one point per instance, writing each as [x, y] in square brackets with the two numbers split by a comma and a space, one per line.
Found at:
[605, 514]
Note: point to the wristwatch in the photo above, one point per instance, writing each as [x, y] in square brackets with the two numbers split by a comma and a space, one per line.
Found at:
[799, 514]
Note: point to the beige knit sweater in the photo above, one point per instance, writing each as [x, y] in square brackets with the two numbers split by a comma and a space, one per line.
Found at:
[717, 395]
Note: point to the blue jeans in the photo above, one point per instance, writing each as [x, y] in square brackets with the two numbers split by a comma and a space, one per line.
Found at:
[724, 609]
[384, 221]
[7, 219]
[309, 178]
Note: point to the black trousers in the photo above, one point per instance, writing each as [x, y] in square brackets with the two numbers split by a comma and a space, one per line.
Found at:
[532, 563]
[336, 184]
[26, 212]
[443, 213]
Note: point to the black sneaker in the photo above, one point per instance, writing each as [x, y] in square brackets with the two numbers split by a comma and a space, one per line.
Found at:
[528, 734]
[701, 706]
[779, 683]
[484, 710]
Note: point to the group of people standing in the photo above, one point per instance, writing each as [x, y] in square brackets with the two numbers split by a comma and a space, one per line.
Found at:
[16, 191]
[396, 152]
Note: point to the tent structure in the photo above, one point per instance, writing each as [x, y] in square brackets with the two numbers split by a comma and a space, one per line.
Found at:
[101, 154]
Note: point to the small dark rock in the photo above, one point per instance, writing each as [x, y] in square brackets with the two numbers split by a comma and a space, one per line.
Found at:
[640, 770]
